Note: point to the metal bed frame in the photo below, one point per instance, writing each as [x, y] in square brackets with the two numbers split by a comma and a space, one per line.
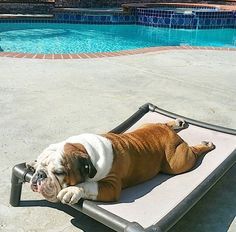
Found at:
[21, 174]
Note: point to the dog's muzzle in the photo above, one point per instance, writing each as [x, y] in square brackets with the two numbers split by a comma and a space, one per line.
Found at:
[46, 184]
[36, 181]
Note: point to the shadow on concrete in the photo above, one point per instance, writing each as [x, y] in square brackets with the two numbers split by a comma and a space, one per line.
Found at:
[79, 220]
[216, 211]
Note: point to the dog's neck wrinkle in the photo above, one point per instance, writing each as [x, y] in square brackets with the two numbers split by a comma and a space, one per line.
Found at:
[124, 142]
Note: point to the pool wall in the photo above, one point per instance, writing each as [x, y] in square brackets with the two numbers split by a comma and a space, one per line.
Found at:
[94, 17]
[155, 18]
[193, 20]
[204, 17]
[209, 17]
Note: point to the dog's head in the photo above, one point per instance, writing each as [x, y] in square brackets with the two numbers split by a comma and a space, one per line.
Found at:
[60, 166]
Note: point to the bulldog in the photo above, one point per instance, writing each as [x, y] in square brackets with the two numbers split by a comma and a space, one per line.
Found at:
[98, 167]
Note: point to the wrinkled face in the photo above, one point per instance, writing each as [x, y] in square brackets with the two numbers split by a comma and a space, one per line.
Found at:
[57, 167]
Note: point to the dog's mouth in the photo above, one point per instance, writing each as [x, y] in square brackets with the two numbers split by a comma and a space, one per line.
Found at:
[48, 187]
[37, 186]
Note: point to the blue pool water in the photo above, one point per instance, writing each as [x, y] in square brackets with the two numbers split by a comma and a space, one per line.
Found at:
[86, 38]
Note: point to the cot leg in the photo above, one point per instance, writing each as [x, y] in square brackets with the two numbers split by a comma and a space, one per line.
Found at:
[20, 174]
[16, 187]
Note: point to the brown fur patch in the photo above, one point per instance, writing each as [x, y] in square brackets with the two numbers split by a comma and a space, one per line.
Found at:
[73, 157]
[142, 154]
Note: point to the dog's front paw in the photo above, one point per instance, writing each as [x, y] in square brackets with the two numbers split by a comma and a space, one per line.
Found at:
[70, 195]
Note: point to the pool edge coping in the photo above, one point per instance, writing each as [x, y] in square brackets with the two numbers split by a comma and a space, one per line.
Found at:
[108, 54]
[184, 4]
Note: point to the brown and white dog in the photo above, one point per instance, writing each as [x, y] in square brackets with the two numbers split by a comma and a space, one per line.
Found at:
[98, 167]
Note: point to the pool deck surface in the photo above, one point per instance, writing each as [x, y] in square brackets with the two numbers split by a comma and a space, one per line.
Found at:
[45, 101]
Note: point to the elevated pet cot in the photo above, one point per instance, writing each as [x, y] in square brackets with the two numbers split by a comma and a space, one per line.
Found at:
[158, 204]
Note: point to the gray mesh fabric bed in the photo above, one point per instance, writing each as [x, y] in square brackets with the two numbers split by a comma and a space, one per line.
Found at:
[145, 207]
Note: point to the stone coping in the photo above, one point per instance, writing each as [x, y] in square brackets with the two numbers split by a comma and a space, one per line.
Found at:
[129, 6]
[28, 1]
[109, 54]
[101, 10]
[32, 16]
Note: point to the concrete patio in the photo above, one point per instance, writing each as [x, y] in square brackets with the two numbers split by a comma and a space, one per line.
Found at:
[46, 101]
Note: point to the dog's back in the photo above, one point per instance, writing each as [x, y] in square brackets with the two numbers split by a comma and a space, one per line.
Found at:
[139, 155]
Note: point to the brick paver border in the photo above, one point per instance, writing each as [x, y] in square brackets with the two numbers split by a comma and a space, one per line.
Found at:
[108, 54]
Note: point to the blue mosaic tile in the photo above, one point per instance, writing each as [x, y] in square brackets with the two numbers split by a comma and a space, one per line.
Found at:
[180, 21]
[148, 17]
[219, 22]
[91, 18]
[66, 16]
[167, 21]
[72, 17]
[78, 17]
[127, 18]
[155, 20]
[145, 19]
[115, 18]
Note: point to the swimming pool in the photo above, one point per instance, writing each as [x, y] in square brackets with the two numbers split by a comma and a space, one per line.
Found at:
[86, 38]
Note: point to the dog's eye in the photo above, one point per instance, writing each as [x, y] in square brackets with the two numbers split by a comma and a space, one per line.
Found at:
[59, 173]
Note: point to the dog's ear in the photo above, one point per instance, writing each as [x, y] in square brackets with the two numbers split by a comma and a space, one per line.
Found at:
[78, 155]
[75, 148]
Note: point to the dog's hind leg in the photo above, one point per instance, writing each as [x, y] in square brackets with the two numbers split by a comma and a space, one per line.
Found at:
[183, 158]
[202, 148]
[177, 124]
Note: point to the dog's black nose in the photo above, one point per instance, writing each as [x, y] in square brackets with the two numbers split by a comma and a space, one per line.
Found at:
[41, 175]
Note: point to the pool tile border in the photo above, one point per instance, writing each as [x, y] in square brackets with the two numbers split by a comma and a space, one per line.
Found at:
[108, 54]
[141, 14]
